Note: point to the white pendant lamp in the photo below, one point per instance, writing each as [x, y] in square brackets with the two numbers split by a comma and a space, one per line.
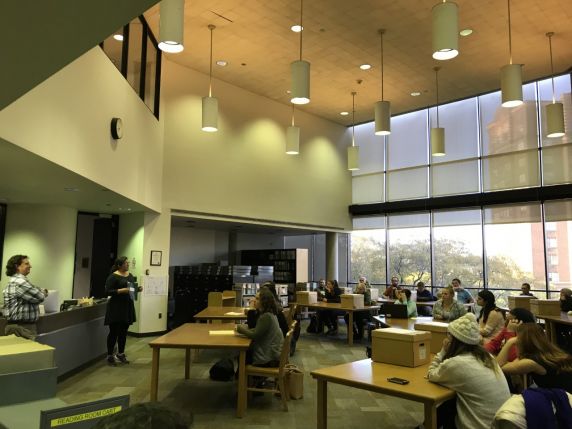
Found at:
[382, 108]
[171, 23]
[353, 150]
[438, 133]
[511, 76]
[293, 138]
[554, 110]
[210, 103]
[300, 73]
[445, 34]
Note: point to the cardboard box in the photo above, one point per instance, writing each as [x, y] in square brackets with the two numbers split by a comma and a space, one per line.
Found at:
[545, 307]
[520, 302]
[438, 333]
[352, 300]
[305, 297]
[401, 347]
[374, 294]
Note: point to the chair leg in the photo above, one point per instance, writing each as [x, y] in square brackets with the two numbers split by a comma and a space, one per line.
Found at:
[283, 393]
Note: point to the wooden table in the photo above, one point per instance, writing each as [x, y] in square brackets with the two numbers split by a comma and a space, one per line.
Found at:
[552, 321]
[221, 313]
[372, 376]
[337, 306]
[468, 305]
[394, 322]
[196, 336]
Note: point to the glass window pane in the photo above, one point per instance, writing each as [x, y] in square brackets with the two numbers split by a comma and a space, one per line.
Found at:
[150, 75]
[408, 146]
[367, 188]
[514, 246]
[455, 178]
[458, 248]
[563, 95]
[368, 255]
[407, 184]
[557, 165]
[113, 48]
[134, 56]
[508, 129]
[371, 149]
[368, 222]
[510, 171]
[558, 230]
[461, 135]
[409, 254]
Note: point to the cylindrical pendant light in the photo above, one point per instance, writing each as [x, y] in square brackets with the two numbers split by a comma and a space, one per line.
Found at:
[382, 108]
[438, 133]
[445, 30]
[353, 150]
[293, 138]
[210, 103]
[511, 75]
[171, 24]
[300, 73]
[554, 111]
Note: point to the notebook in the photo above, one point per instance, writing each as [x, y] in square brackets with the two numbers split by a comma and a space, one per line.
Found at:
[399, 311]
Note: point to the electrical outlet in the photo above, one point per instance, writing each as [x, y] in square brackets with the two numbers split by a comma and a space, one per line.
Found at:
[160, 315]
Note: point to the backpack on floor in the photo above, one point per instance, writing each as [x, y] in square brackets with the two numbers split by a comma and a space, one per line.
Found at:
[313, 326]
[223, 370]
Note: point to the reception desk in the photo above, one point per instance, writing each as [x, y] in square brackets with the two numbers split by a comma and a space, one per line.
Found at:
[78, 336]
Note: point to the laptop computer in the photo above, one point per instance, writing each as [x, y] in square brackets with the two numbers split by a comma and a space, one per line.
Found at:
[399, 311]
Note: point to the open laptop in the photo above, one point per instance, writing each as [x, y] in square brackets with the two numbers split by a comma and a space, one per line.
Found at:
[398, 311]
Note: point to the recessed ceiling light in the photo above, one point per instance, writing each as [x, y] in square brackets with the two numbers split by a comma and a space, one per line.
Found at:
[221, 63]
[344, 113]
[118, 37]
[365, 66]
[466, 32]
[288, 91]
[415, 94]
[296, 28]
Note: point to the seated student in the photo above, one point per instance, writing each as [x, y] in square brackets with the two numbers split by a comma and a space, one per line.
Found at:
[546, 363]
[253, 314]
[463, 296]
[330, 317]
[525, 288]
[404, 297]
[465, 367]
[424, 295]
[267, 345]
[491, 318]
[391, 290]
[447, 309]
[360, 317]
[565, 299]
[514, 318]
[363, 279]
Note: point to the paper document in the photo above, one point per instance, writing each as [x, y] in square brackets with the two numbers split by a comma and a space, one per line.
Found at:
[225, 332]
[234, 313]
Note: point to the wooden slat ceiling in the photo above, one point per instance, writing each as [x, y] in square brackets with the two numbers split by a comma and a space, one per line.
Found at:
[254, 36]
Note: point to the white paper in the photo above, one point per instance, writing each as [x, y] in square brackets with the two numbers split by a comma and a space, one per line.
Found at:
[155, 285]
[422, 352]
[233, 313]
[221, 332]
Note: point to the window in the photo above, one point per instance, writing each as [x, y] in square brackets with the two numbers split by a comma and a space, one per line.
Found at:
[368, 256]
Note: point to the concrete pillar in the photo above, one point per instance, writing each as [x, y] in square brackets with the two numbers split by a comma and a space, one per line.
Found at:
[332, 255]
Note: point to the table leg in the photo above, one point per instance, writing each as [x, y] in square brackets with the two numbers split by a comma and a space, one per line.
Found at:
[322, 404]
[350, 327]
[241, 405]
[155, 374]
[430, 416]
[187, 363]
[551, 331]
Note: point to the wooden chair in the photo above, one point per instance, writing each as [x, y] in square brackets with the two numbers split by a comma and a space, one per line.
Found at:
[279, 374]
[292, 314]
[229, 298]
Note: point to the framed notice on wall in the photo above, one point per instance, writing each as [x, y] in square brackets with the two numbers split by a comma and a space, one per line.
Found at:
[156, 256]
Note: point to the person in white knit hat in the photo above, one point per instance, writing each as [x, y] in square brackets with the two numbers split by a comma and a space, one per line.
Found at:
[465, 367]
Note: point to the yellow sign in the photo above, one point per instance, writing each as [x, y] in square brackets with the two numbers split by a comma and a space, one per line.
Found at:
[85, 416]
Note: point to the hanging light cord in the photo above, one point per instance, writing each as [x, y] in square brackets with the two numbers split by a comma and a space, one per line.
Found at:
[353, 117]
[509, 34]
[381, 34]
[301, 26]
[292, 114]
[437, 91]
[211, 27]
[549, 35]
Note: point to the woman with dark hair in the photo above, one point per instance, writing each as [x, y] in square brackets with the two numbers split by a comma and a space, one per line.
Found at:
[267, 345]
[491, 319]
[548, 365]
[252, 314]
[329, 317]
[120, 287]
[404, 297]
[566, 299]
[514, 318]
[465, 367]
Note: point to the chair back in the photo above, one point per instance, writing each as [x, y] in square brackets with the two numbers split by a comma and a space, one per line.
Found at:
[229, 298]
[292, 315]
[285, 354]
[286, 312]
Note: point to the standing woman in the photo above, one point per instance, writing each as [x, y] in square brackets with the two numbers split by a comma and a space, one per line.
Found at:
[120, 287]
[447, 308]
[491, 319]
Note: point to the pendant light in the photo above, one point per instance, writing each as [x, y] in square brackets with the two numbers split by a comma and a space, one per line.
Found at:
[300, 72]
[382, 108]
[511, 76]
[353, 150]
[210, 103]
[445, 34]
[554, 110]
[171, 23]
[438, 133]
[293, 138]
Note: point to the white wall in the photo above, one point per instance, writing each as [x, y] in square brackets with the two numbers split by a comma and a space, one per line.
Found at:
[191, 246]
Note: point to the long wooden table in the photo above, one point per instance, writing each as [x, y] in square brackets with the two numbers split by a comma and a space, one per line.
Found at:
[552, 321]
[394, 322]
[221, 313]
[368, 375]
[197, 336]
[338, 307]
[468, 305]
